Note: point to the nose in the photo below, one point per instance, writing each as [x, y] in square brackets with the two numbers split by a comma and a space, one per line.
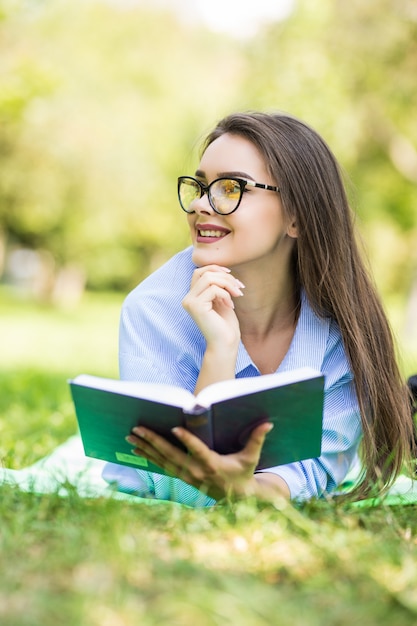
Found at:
[202, 205]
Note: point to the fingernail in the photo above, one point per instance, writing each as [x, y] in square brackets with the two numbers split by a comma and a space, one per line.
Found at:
[138, 431]
[240, 284]
[270, 427]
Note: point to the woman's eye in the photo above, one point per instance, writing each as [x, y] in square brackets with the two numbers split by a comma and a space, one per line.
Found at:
[230, 188]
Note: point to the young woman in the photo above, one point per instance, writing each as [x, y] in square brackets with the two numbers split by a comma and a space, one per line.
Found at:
[273, 281]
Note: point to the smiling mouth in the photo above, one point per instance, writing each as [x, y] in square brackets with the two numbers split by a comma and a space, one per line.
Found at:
[212, 233]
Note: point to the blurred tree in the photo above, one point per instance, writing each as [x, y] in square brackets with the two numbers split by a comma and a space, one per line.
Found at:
[349, 70]
[97, 123]
[101, 104]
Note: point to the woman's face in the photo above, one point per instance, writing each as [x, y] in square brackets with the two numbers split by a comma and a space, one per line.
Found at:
[256, 233]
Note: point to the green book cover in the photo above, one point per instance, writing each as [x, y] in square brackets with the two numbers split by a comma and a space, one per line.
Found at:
[222, 415]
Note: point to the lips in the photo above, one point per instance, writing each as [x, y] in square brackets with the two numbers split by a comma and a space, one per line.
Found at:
[210, 232]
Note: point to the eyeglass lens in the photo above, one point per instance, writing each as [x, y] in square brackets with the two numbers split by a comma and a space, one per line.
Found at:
[224, 194]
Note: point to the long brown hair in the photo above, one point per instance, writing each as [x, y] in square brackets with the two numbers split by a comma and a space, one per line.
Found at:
[329, 267]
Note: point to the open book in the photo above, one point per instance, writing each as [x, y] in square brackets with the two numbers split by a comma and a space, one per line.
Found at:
[222, 415]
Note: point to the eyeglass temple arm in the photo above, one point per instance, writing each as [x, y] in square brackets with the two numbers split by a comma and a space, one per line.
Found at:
[252, 183]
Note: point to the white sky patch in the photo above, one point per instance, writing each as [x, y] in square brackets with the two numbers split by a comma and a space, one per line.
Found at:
[238, 18]
[241, 18]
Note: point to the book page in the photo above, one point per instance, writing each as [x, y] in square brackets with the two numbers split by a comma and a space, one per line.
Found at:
[161, 393]
[242, 386]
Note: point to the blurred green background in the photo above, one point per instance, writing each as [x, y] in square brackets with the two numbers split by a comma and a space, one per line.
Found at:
[104, 103]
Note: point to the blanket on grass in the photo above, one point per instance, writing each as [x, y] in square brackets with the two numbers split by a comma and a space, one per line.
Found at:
[68, 469]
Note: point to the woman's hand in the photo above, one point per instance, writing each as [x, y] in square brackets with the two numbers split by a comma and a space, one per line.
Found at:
[210, 304]
[218, 475]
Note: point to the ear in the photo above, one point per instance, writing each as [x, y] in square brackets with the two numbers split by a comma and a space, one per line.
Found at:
[292, 230]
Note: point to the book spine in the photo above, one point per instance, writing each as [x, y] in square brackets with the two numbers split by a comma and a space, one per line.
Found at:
[198, 422]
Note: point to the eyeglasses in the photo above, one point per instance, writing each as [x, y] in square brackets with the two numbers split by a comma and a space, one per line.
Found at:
[224, 194]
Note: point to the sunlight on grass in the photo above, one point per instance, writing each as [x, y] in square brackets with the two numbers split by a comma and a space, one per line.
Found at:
[82, 339]
[41, 347]
[102, 562]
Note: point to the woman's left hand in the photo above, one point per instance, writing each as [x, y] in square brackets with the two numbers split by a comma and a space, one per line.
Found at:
[218, 475]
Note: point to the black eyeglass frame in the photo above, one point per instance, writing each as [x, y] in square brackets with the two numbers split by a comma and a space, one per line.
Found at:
[206, 189]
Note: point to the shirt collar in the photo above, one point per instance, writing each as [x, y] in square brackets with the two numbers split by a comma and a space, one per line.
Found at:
[307, 347]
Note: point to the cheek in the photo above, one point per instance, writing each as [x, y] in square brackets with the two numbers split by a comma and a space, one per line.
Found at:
[190, 222]
[266, 224]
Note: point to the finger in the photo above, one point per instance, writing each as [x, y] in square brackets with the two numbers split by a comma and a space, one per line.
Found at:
[225, 281]
[207, 301]
[210, 295]
[217, 296]
[151, 443]
[174, 462]
[167, 463]
[194, 445]
[202, 462]
[198, 273]
[201, 271]
[252, 450]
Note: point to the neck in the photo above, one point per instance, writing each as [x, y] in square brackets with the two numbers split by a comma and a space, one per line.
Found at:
[268, 306]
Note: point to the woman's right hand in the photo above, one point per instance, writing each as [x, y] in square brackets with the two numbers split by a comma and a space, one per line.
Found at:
[210, 304]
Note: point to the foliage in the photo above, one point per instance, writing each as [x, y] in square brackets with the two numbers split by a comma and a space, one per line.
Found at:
[96, 121]
[99, 150]
[348, 70]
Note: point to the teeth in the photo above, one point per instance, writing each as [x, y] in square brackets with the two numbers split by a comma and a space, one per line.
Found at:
[211, 233]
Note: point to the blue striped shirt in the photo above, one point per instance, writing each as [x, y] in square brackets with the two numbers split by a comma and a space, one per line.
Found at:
[159, 342]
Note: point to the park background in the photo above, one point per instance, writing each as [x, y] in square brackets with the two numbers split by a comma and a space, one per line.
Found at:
[102, 105]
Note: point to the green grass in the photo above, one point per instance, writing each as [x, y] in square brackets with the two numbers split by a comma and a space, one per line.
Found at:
[100, 562]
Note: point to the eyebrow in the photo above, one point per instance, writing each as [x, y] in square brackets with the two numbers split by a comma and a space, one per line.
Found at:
[201, 174]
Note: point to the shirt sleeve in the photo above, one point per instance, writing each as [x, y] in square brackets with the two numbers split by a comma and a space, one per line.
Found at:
[137, 355]
[155, 329]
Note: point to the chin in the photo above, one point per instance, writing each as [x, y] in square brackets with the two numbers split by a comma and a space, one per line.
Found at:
[208, 257]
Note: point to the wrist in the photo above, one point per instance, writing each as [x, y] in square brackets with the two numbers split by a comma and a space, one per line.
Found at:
[269, 486]
[217, 365]
[263, 487]
[222, 352]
